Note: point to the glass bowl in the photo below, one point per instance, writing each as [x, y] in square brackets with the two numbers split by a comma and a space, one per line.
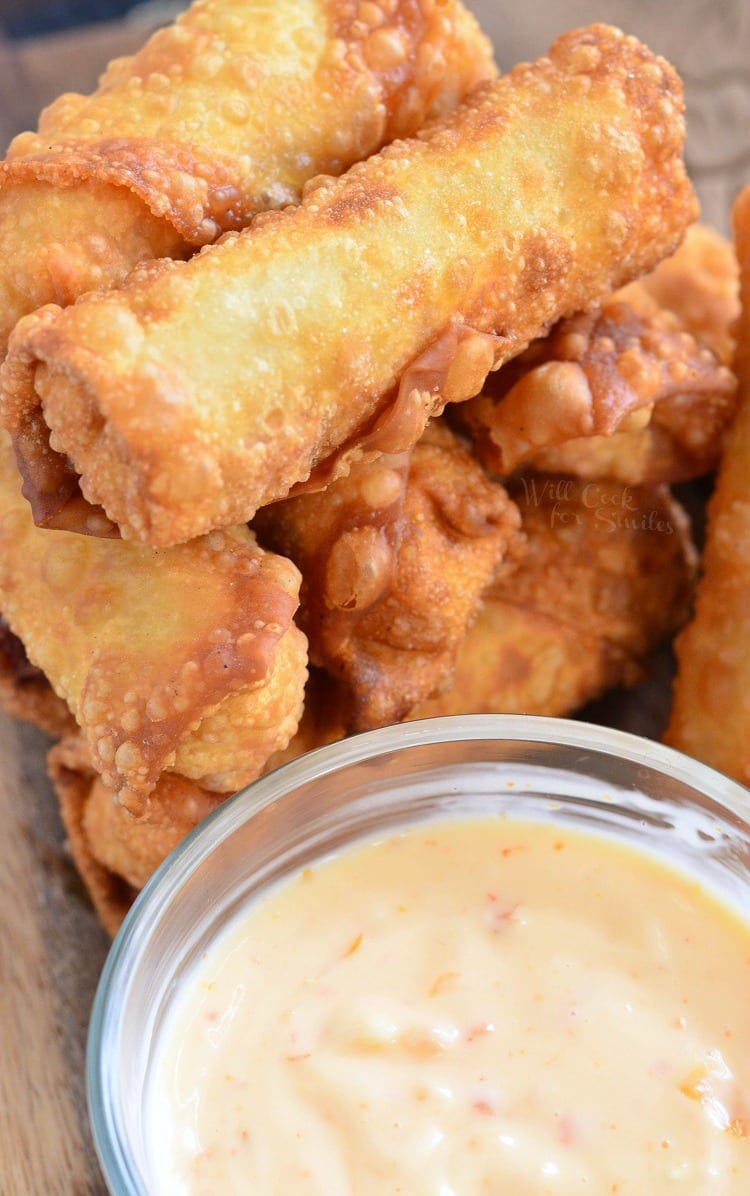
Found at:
[511, 765]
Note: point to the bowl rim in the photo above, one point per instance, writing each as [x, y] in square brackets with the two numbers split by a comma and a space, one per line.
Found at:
[221, 823]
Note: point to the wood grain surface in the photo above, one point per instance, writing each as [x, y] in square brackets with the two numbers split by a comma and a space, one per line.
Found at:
[51, 952]
[51, 947]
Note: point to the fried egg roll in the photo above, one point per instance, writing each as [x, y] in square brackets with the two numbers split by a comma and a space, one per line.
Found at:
[115, 853]
[602, 576]
[700, 285]
[710, 716]
[202, 390]
[395, 559]
[608, 393]
[185, 661]
[225, 113]
[680, 438]
[606, 574]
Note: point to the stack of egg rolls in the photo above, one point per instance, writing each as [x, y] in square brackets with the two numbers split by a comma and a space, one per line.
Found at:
[225, 113]
[288, 375]
[575, 611]
[189, 661]
[183, 660]
[257, 360]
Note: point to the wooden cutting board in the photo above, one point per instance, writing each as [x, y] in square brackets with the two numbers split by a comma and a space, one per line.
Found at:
[51, 947]
[51, 952]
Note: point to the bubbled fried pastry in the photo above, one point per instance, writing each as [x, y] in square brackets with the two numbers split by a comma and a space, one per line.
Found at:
[73, 777]
[225, 113]
[608, 393]
[186, 660]
[488, 226]
[699, 284]
[606, 573]
[395, 559]
[115, 853]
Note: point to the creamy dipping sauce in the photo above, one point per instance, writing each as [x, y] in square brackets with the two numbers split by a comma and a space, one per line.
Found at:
[471, 1006]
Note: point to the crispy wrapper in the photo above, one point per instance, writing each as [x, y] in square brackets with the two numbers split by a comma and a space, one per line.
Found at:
[114, 852]
[647, 403]
[324, 719]
[607, 574]
[184, 660]
[700, 285]
[602, 577]
[395, 559]
[517, 660]
[225, 113]
[710, 716]
[609, 393]
[202, 390]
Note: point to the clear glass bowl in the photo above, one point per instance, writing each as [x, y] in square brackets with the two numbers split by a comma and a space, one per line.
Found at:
[510, 765]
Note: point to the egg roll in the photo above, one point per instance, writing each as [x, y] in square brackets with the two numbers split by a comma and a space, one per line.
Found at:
[200, 391]
[606, 574]
[395, 559]
[599, 580]
[115, 853]
[225, 113]
[694, 291]
[609, 393]
[710, 715]
[700, 285]
[185, 660]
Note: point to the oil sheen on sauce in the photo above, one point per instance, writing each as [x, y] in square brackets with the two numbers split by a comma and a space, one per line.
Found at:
[473, 1006]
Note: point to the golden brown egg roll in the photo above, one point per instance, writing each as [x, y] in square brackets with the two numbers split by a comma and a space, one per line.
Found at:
[658, 435]
[700, 285]
[225, 113]
[517, 660]
[609, 393]
[395, 559]
[606, 574]
[203, 390]
[115, 853]
[602, 577]
[134, 848]
[186, 660]
[710, 717]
